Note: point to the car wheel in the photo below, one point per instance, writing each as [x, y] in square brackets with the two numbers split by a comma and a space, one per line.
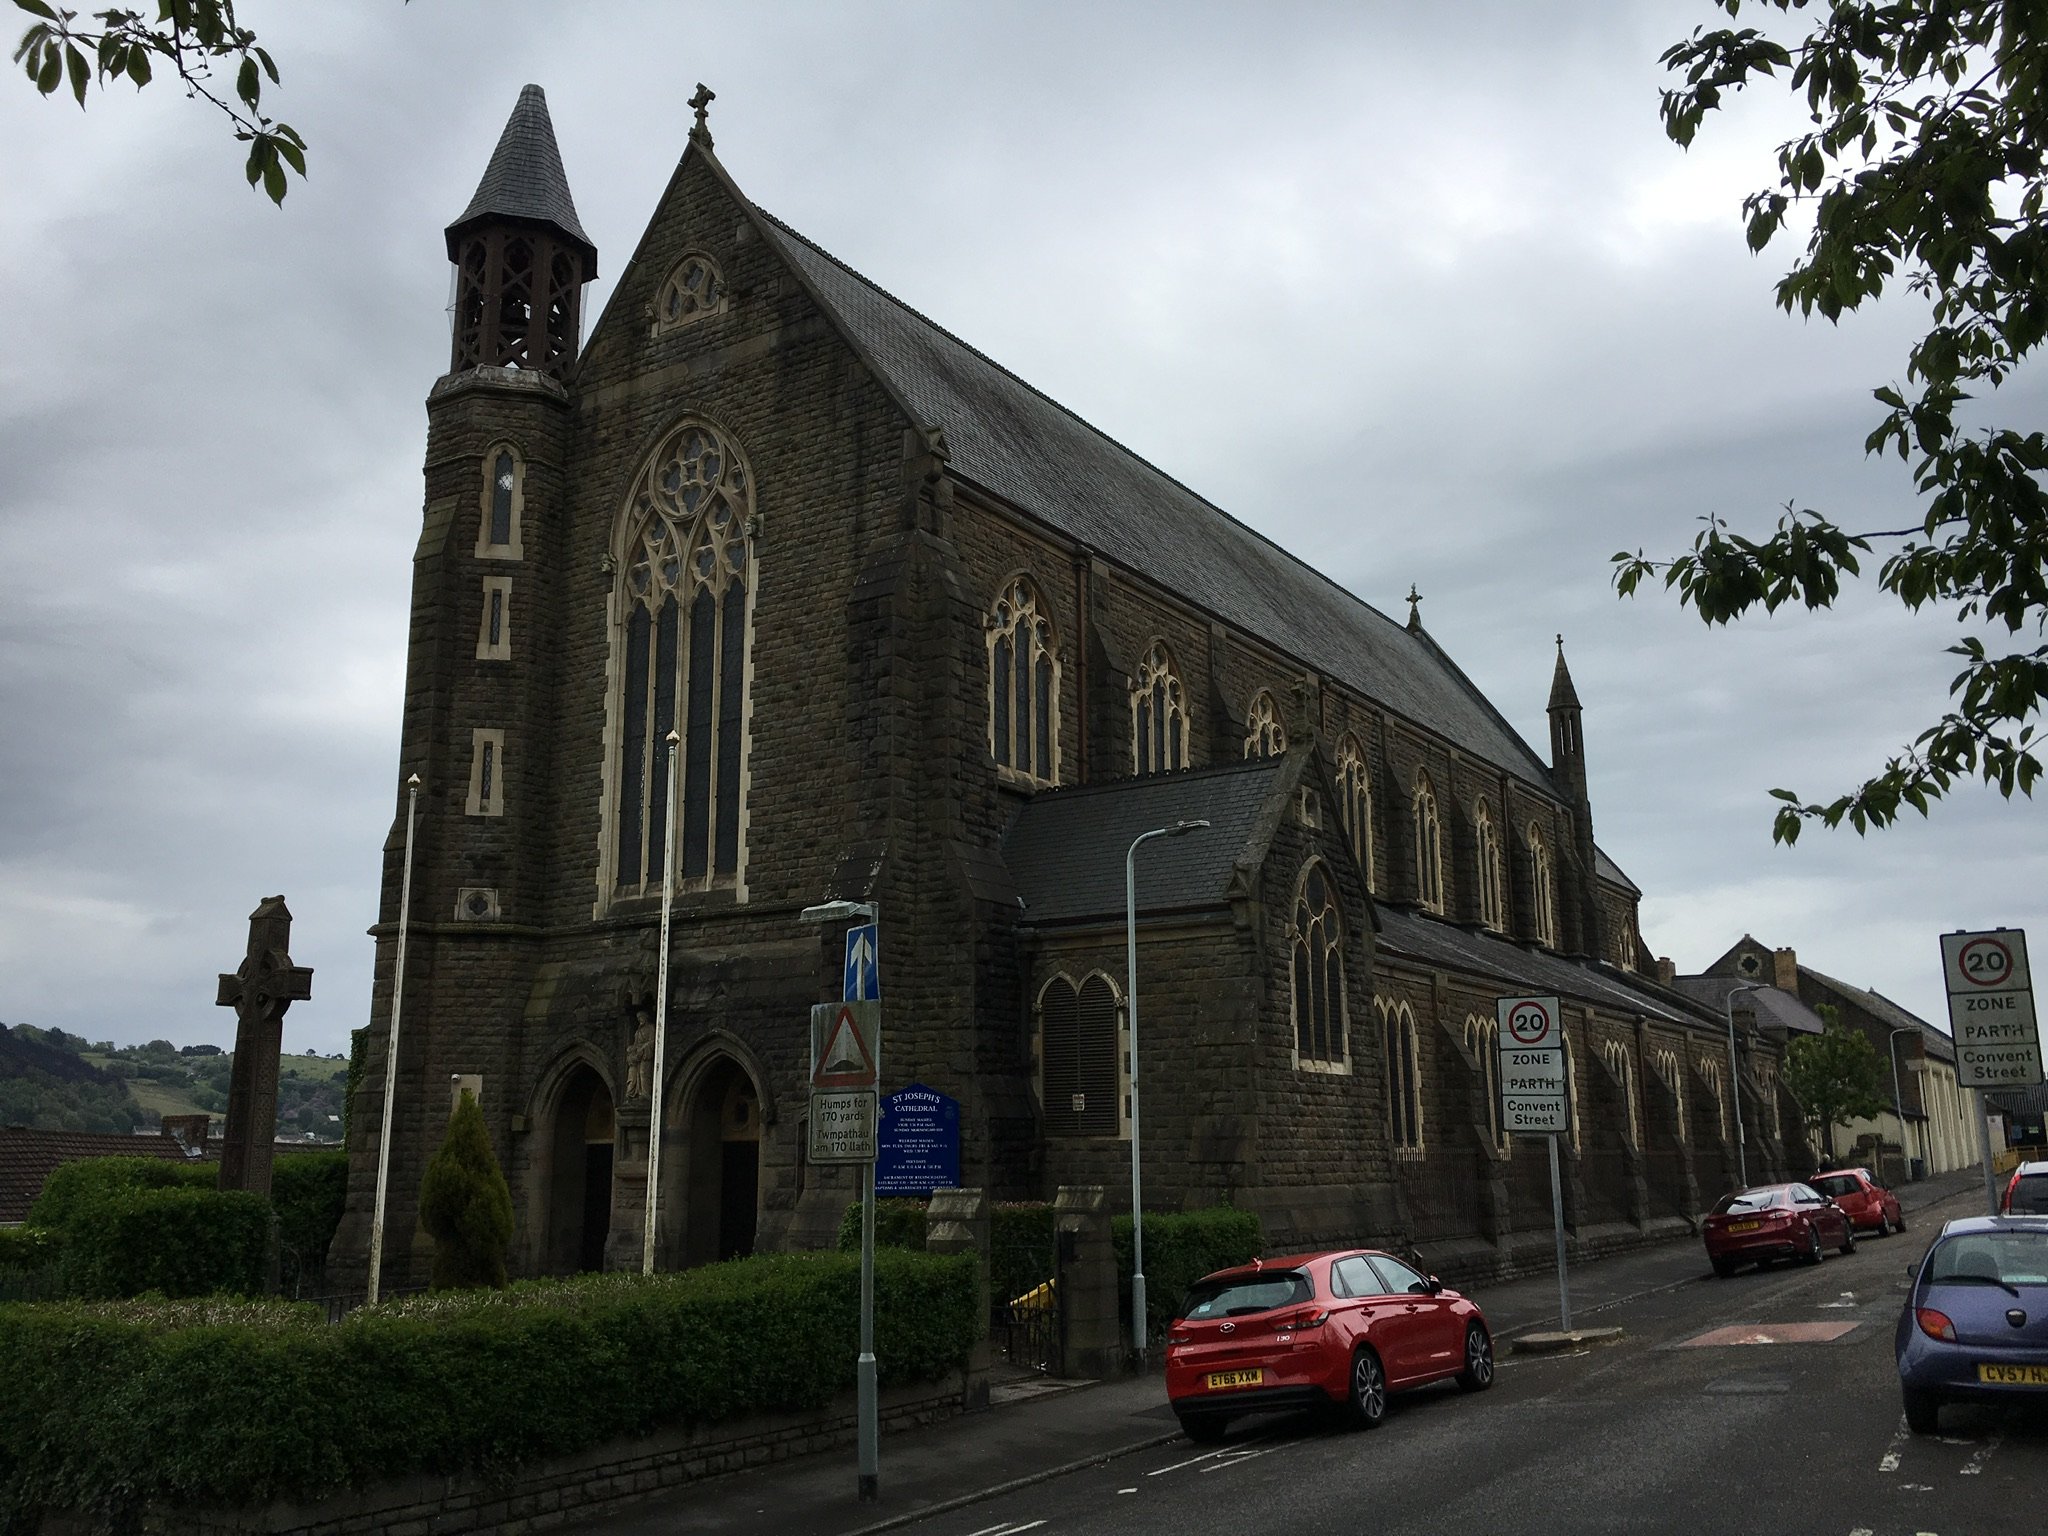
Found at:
[1923, 1410]
[1884, 1225]
[1812, 1254]
[1848, 1237]
[1900, 1224]
[1368, 1390]
[1203, 1428]
[1724, 1267]
[1478, 1373]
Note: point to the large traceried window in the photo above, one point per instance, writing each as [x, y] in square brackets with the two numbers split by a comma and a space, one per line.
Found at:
[1493, 908]
[1023, 685]
[1429, 847]
[1319, 1034]
[1080, 1070]
[1623, 1066]
[1159, 715]
[1354, 803]
[1543, 888]
[1666, 1063]
[1264, 734]
[1482, 1039]
[682, 614]
[1404, 1075]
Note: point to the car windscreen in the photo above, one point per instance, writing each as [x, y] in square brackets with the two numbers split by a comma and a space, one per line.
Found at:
[1750, 1200]
[2030, 1195]
[1836, 1185]
[1992, 1258]
[1236, 1295]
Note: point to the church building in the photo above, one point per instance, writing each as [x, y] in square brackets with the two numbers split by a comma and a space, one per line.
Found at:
[919, 636]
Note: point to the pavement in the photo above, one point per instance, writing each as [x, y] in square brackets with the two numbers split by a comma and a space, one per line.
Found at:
[1037, 1430]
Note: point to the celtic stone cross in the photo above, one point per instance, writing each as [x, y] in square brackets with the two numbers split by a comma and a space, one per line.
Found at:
[262, 987]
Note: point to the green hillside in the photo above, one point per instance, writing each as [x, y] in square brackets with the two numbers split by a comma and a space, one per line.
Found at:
[51, 1080]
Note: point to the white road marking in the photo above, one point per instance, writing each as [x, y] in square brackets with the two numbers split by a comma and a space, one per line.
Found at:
[1127, 1490]
[1238, 1456]
[1162, 1471]
[1006, 1528]
[1863, 1530]
[1975, 1464]
[1848, 1299]
[1889, 1462]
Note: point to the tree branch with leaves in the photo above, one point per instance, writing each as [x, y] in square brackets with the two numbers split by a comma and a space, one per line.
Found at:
[191, 39]
[1925, 164]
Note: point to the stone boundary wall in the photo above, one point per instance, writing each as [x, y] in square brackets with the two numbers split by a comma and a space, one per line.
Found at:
[600, 1481]
[1533, 1250]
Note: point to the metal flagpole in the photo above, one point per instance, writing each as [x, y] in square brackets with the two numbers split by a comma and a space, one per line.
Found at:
[412, 802]
[867, 1401]
[668, 890]
[1564, 1291]
[1984, 1152]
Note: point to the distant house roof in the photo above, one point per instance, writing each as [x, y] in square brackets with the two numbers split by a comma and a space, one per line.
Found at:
[1771, 1005]
[1009, 439]
[1935, 1041]
[27, 1157]
[1065, 848]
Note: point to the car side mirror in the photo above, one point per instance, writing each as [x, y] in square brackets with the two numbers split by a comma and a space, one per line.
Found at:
[1435, 1285]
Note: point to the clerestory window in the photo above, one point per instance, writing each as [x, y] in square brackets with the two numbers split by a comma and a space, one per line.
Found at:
[1429, 847]
[1023, 685]
[1159, 715]
[1492, 901]
[1354, 804]
[1264, 734]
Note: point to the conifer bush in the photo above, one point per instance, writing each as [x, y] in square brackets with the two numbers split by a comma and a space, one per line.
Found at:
[466, 1206]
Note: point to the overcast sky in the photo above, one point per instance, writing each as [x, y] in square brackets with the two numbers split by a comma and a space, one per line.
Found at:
[1423, 293]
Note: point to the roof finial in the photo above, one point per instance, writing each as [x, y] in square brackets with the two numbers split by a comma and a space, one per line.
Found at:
[1414, 607]
[701, 104]
[1560, 645]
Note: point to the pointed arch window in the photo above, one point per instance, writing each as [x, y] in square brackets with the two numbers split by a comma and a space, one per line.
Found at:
[1666, 1063]
[1486, 840]
[1429, 847]
[1080, 1073]
[1354, 804]
[693, 290]
[1023, 685]
[1710, 1074]
[683, 611]
[1264, 734]
[501, 504]
[1482, 1039]
[1571, 1090]
[1404, 1075]
[1159, 716]
[1623, 1066]
[1543, 888]
[1319, 1023]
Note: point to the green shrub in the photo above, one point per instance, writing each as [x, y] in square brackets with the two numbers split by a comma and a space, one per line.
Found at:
[1180, 1248]
[29, 1247]
[71, 1184]
[465, 1205]
[179, 1242]
[213, 1403]
[899, 1223]
[309, 1191]
[1021, 1247]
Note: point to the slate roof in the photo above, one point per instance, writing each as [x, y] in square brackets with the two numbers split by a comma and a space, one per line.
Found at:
[1009, 439]
[1772, 1005]
[525, 179]
[27, 1157]
[1610, 871]
[1065, 848]
[1890, 1014]
[1409, 934]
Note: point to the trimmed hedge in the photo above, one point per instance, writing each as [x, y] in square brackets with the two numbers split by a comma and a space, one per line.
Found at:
[899, 1223]
[72, 1185]
[309, 1191]
[179, 1242]
[110, 1407]
[1180, 1248]
[29, 1247]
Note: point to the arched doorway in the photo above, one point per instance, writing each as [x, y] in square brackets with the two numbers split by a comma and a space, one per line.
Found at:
[580, 1174]
[720, 1136]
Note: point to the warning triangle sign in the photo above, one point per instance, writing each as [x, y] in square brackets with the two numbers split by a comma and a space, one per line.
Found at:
[845, 1061]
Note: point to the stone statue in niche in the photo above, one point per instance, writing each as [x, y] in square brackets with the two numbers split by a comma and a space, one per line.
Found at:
[640, 1057]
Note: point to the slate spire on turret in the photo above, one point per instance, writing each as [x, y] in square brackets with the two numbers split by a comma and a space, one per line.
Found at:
[1567, 741]
[521, 255]
[1562, 694]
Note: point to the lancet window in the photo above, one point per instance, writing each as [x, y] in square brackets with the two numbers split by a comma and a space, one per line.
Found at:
[1486, 840]
[1429, 847]
[1404, 1075]
[1543, 888]
[1264, 734]
[682, 613]
[1023, 685]
[1081, 1075]
[1159, 716]
[1482, 1039]
[1623, 1066]
[1319, 1033]
[1354, 803]
[501, 504]
[1666, 1063]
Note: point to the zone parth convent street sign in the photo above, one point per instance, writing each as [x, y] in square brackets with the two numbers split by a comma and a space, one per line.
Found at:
[846, 1051]
[1991, 1009]
[1534, 1099]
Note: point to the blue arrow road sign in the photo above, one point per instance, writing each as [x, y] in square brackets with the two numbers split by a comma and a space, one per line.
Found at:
[863, 978]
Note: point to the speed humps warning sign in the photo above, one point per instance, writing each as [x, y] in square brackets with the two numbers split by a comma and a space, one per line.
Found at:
[1991, 1009]
[1534, 1098]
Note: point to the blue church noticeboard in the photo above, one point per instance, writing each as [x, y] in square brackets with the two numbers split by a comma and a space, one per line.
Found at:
[919, 1147]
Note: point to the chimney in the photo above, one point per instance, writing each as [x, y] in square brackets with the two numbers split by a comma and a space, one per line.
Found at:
[1785, 970]
[189, 1132]
[1667, 970]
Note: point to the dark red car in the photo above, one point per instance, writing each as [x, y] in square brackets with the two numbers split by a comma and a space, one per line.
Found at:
[1775, 1221]
[1869, 1204]
[1318, 1330]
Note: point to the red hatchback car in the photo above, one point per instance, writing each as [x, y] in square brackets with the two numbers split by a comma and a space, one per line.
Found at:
[1775, 1221]
[1869, 1203]
[1318, 1330]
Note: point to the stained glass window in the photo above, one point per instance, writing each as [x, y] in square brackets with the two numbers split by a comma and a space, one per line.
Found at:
[1159, 716]
[1318, 970]
[1024, 680]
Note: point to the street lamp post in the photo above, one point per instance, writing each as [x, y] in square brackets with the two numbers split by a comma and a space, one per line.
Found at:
[1891, 1049]
[1735, 1083]
[412, 805]
[867, 1402]
[1178, 829]
[668, 897]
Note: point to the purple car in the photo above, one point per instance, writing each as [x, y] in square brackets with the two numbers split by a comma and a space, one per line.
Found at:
[1975, 1325]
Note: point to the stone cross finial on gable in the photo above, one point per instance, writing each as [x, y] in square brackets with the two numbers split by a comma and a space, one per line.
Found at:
[1414, 607]
[701, 105]
[261, 988]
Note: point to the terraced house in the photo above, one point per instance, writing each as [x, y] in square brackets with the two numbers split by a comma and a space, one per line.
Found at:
[925, 638]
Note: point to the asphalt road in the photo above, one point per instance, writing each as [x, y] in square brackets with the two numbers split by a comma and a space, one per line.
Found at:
[1661, 1432]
